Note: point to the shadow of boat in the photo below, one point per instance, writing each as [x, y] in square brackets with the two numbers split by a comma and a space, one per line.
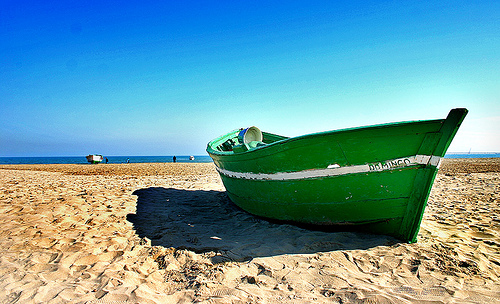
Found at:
[204, 221]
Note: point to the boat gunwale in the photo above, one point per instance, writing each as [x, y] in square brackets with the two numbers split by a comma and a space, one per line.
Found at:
[228, 154]
[252, 154]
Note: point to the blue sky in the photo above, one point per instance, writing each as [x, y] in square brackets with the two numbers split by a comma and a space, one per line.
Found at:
[165, 77]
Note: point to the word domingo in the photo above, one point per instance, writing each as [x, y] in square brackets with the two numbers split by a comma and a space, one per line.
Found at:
[390, 164]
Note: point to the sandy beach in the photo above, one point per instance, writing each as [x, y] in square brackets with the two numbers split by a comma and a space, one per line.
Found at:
[167, 233]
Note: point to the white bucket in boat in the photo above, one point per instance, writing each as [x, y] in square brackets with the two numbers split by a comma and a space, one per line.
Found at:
[250, 134]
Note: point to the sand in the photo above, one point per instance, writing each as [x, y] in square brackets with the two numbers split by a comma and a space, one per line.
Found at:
[167, 233]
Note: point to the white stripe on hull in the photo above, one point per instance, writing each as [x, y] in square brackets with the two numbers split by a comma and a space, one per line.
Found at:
[336, 170]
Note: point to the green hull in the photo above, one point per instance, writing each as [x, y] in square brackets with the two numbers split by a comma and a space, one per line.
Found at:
[377, 176]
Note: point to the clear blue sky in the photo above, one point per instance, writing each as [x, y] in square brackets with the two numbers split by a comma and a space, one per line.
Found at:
[165, 77]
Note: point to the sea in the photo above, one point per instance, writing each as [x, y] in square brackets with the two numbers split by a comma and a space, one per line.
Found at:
[472, 155]
[111, 159]
[162, 159]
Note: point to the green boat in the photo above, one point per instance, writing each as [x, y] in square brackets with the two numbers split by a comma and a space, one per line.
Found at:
[378, 177]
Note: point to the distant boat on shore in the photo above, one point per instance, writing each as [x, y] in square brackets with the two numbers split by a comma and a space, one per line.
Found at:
[94, 158]
[376, 177]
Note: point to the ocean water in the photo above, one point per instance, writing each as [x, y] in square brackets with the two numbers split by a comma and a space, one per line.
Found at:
[111, 159]
[163, 159]
[471, 155]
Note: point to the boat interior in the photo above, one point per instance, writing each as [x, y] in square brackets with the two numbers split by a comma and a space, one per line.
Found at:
[245, 139]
